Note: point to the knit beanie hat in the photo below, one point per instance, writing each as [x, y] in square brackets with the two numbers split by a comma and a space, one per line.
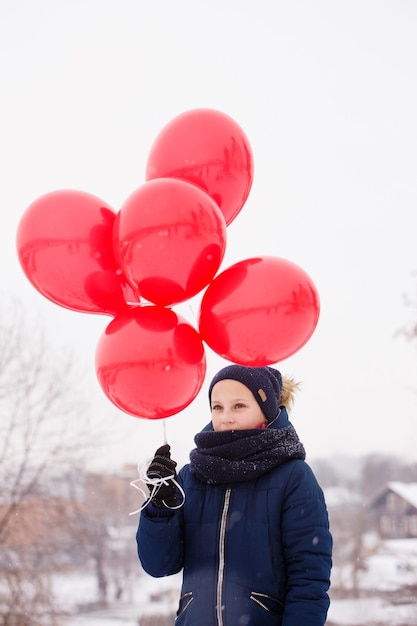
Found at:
[264, 382]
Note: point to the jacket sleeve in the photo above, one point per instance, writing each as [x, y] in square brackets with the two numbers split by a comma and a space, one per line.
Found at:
[307, 546]
[160, 542]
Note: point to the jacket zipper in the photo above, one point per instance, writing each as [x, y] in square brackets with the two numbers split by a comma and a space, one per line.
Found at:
[222, 542]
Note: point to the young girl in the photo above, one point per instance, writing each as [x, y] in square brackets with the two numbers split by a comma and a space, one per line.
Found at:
[252, 537]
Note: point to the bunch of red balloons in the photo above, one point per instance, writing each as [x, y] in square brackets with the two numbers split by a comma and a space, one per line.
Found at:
[164, 246]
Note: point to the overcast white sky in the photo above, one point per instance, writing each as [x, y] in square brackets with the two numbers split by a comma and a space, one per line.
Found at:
[326, 92]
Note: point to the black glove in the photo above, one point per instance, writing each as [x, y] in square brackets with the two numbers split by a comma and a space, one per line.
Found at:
[163, 466]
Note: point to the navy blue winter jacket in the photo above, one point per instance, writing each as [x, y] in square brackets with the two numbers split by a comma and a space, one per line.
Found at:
[253, 553]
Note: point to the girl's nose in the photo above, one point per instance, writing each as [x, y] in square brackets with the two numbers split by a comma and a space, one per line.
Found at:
[227, 417]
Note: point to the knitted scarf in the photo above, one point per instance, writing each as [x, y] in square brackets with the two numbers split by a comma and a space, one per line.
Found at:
[238, 455]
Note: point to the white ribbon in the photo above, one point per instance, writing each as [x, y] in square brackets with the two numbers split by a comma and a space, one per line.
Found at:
[154, 485]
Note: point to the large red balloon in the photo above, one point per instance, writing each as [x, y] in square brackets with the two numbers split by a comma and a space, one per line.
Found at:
[209, 149]
[170, 238]
[259, 311]
[64, 245]
[150, 362]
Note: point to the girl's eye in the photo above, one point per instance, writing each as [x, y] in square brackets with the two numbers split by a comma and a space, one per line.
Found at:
[215, 407]
[240, 405]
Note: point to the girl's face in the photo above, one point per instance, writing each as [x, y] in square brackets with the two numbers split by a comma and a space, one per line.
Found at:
[233, 407]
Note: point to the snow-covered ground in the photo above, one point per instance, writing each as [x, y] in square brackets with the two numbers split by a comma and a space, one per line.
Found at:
[390, 570]
[392, 567]
[145, 596]
[371, 612]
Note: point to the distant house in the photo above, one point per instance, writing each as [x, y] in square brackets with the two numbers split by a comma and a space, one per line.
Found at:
[394, 511]
[60, 514]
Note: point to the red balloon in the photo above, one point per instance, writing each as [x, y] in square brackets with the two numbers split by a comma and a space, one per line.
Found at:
[64, 245]
[170, 238]
[259, 311]
[209, 149]
[150, 362]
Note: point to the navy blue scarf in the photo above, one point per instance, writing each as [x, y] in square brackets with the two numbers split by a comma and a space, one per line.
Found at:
[238, 455]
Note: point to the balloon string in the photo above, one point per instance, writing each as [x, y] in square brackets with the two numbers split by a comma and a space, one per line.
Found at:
[164, 430]
[154, 485]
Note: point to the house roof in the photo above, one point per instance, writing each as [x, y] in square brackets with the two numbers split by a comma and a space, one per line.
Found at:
[407, 491]
[339, 496]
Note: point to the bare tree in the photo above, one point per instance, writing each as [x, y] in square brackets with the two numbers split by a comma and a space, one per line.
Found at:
[351, 547]
[378, 469]
[105, 532]
[410, 329]
[41, 426]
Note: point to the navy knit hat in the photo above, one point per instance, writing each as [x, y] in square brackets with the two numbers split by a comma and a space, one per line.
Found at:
[264, 382]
